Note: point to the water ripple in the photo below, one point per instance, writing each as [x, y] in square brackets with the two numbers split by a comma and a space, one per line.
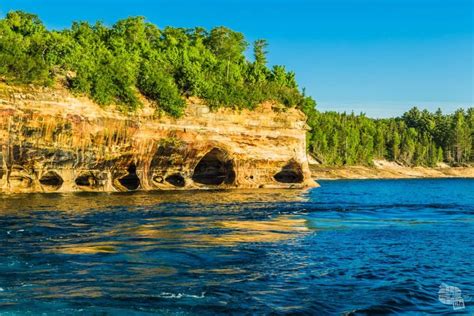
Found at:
[349, 247]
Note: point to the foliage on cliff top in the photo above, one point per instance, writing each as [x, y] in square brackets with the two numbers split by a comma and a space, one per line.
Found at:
[115, 64]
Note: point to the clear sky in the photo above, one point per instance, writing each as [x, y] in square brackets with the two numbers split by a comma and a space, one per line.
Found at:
[375, 56]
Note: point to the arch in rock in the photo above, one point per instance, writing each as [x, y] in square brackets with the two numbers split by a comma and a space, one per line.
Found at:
[51, 181]
[214, 168]
[87, 180]
[130, 181]
[290, 173]
[176, 179]
[19, 178]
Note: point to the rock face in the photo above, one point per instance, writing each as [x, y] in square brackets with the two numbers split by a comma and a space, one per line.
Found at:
[52, 141]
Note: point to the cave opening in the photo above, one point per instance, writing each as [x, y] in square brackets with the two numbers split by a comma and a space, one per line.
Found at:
[290, 173]
[176, 179]
[86, 180]
[131, 181]
[214, 169]
[51, 180]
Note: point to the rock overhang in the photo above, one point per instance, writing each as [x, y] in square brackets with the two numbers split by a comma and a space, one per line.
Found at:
[55, 142]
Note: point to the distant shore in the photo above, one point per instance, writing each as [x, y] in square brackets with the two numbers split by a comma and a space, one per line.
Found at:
[389, 170]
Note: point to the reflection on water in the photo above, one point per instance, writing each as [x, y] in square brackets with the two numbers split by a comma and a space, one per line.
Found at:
[104, 201]
[276, 229]
[85, 248]
[187, 232]
[367, 246]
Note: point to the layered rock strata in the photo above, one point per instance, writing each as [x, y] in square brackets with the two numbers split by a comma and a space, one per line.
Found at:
[52, 141]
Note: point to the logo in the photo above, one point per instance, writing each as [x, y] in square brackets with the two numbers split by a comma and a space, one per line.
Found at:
[451, 295]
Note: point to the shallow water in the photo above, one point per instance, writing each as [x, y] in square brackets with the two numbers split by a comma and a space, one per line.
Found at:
[373, 246]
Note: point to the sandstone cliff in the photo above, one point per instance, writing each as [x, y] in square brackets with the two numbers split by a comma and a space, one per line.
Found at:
[52, 141]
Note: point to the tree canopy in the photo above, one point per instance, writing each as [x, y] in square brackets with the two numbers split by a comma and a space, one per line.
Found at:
[418, 138]
[115, 64]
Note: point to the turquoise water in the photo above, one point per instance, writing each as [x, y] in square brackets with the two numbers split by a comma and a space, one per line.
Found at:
[363, 247]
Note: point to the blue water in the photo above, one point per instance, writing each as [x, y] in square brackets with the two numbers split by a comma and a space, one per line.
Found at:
[363, 247]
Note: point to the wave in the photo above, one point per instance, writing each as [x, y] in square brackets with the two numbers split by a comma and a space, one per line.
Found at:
[181, 295]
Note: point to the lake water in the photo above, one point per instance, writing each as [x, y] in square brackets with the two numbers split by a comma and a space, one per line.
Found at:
[372, 246]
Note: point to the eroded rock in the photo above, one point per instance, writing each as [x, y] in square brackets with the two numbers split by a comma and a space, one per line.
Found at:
[54, 142]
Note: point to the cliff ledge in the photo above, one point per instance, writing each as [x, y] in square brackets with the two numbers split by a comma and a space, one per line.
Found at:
[52, 141]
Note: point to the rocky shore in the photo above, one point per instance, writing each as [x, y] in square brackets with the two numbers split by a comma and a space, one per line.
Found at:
[53, 141]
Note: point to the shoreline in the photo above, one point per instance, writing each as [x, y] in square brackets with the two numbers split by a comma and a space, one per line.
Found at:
[391, 171]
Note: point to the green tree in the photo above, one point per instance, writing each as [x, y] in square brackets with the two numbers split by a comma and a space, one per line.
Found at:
[461, 137]
[23, 47]
[160, 87]
[227, 45]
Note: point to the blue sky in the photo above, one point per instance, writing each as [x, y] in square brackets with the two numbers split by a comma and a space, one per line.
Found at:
[375, 56]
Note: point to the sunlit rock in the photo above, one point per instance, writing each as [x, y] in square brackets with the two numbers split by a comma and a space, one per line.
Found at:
[52, 141]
